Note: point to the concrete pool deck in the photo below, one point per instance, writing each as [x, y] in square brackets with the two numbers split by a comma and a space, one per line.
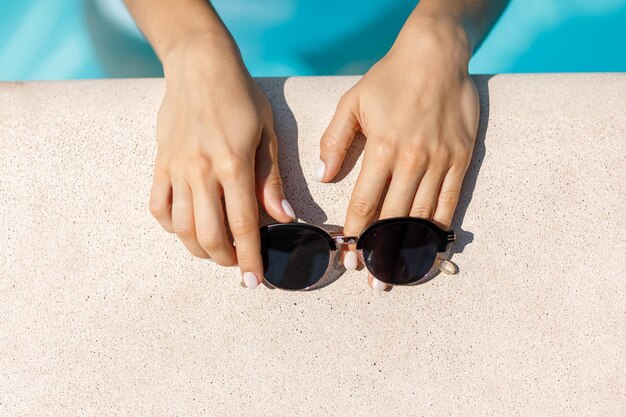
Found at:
[103, 313]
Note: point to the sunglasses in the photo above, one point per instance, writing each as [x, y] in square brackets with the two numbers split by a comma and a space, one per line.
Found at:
[397, 251]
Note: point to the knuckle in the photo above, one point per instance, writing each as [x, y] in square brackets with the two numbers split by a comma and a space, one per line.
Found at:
[433, 144]
[449, 198]
[463, 148]
[274, 180]
[384, 148]
[329, 141]
[177, 174]
[361, 207]
[462, 154]
[161, 162]
[414, 158]
[183, 230]
[445, 155]
[210, 242]
[243, 227]
[197, 168]
[233, 165]
[345, 99]
[247, 259]
[421, 211]
[440, 151]
[158, 209]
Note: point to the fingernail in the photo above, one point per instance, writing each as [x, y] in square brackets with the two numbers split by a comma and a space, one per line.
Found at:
[250, 279]
[378, 285]
[320, 171]
[350, 261]
[287, 208]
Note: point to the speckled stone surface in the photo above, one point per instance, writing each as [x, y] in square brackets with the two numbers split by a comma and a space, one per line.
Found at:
[103, 313]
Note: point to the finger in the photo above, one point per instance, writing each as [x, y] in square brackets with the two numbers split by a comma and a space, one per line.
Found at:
[183, 220]
[402, 189]
[210, 223]
[337, 138]
[268, 182]
[375, 171]
[243, 219]
[448, 197]
[398, 201]
[425, 199]
[364, 200]
[161, 198]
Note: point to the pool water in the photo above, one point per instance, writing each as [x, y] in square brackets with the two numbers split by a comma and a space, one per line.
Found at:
[67, 39]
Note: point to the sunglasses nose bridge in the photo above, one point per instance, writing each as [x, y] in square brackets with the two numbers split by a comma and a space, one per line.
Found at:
[341, 240]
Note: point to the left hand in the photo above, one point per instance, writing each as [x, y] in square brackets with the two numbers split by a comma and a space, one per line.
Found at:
[419, 110]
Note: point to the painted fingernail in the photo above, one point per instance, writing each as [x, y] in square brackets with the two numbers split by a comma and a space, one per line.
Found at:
[250, 279]
[287, 208]
[378, 285]
[320, 171]
[350, 261]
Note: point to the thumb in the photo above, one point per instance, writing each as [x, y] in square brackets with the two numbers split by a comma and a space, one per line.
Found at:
[337, 138]
[268, 182]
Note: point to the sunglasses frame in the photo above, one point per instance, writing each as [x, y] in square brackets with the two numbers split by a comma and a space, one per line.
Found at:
[336, 240]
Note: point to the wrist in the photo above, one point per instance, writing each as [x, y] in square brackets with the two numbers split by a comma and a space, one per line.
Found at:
[206, 51]
[436, 33]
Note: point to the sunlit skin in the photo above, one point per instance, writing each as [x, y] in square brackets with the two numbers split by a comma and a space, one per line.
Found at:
[418, 108]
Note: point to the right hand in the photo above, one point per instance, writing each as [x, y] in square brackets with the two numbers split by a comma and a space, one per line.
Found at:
[216, 138]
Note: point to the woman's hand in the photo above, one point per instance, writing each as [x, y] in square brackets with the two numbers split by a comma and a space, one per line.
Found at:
[216, 138]
[419, 110]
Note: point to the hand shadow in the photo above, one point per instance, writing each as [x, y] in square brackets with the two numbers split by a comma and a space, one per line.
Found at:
[292, 174]
[290, 167]
[463, 237]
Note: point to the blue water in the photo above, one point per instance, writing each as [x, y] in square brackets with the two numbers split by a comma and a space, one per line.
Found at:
[66, 39]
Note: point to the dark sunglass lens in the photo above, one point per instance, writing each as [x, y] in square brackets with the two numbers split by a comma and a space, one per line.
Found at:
[294, 257]
[400, 253]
